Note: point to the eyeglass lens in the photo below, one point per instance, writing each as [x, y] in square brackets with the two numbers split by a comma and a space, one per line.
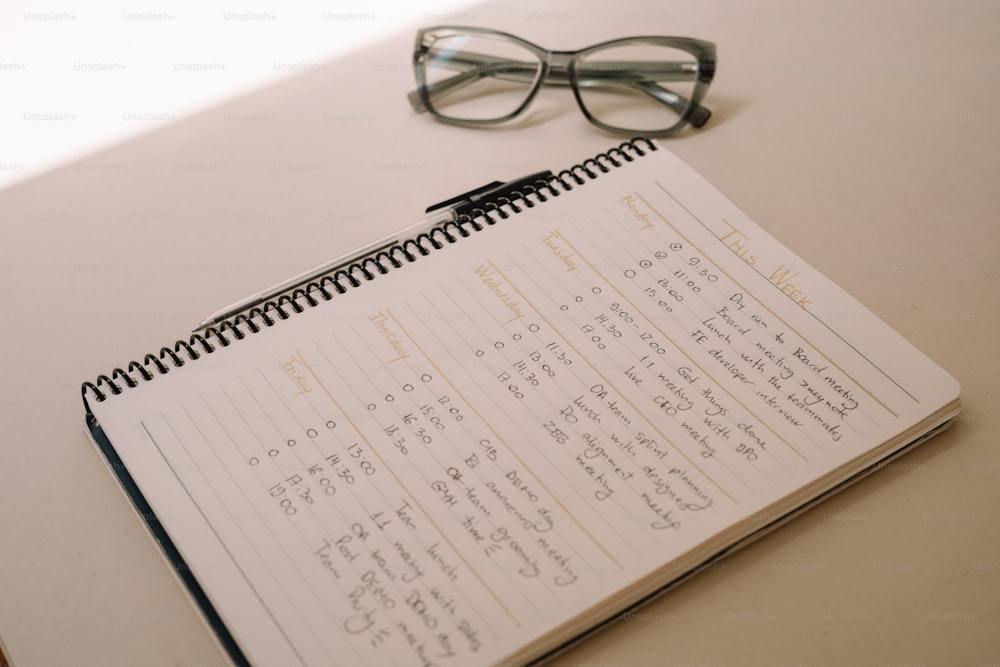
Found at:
[479, 77]
[639, 87]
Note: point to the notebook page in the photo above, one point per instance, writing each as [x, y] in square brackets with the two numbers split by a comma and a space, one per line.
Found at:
[456, 458]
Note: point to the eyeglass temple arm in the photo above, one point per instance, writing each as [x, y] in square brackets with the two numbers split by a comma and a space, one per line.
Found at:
[512, 70]
[445, 86]
[698, 114]
[631, 74]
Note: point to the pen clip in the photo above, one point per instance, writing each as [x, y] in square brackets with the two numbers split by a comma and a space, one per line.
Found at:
[466, 201]
[465, 196]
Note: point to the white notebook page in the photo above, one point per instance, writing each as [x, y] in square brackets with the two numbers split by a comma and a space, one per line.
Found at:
[456, 458]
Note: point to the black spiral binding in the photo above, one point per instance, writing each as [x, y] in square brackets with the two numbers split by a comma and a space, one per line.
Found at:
[366, 269]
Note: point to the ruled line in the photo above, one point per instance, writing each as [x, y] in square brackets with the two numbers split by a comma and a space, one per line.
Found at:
[778, 317]
[653, 324]
[611, 384]
[403, 486]
[501, 439]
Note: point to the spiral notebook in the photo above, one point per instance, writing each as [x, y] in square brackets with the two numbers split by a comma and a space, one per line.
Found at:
[483, 443]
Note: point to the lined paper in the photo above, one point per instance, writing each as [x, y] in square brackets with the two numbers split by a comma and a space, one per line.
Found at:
[456, 458]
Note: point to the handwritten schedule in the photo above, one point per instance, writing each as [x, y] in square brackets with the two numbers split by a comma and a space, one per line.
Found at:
[453, 461]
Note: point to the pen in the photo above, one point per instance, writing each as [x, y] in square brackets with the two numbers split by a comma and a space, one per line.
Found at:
[443, 212]
[327, 267]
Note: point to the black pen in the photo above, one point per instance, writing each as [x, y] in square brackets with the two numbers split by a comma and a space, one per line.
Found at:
[443, 212]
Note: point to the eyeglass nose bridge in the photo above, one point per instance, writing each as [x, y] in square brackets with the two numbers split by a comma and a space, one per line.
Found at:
[557, 66]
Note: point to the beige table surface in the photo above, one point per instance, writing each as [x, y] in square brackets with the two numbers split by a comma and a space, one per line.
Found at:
[862, 133]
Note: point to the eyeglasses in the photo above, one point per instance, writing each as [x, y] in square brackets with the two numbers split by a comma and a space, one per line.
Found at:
[475, 77]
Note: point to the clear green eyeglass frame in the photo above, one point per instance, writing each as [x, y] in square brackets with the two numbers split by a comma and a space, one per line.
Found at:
[609, 80]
